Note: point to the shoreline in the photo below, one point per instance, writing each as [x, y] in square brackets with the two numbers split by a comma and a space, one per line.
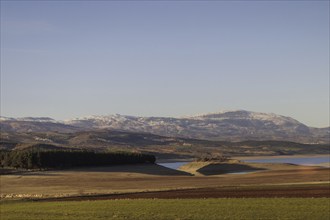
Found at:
[280, 156]
[174, 160]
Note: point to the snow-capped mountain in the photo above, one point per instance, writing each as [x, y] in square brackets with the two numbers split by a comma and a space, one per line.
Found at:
[229, 125]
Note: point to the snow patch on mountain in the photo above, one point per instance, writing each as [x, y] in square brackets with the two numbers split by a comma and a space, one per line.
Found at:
[224, 125]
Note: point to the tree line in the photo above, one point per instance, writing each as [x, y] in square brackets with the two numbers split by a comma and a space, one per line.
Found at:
[36, 159]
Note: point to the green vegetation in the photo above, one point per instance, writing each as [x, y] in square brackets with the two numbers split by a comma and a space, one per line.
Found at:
[33, 159]
[144, 209]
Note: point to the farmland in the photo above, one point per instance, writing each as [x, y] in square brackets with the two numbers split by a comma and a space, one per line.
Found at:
[151, 191]
[144, 177]
[226, 208]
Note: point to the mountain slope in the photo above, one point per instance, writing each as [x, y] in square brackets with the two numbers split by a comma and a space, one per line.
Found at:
[35, 126]
[160, 146]
[227, 126]
[231, 125]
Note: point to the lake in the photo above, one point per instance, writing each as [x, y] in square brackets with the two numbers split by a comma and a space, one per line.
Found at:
[307, 161]
[174, 165]
[294, 160]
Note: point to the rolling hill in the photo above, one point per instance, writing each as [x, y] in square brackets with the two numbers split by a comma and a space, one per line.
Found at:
[160, 146]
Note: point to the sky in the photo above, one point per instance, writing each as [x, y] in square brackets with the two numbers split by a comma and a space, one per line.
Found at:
[67, 59]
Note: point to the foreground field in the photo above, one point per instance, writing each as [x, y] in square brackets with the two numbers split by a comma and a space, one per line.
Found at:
[150, 191]
[269, 191]
[144, 209]
[141, 178]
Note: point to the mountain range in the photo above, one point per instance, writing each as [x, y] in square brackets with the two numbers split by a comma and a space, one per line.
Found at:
[238, 125]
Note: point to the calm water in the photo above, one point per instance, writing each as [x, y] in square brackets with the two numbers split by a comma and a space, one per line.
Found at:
[299, 161]
[173, 165]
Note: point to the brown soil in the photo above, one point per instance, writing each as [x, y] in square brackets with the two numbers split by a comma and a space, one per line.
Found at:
[270, 192]
[129, 179]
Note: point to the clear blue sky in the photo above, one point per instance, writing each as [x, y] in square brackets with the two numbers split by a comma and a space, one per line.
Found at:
[79, 58]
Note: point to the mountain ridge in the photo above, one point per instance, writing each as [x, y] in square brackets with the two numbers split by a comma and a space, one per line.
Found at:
[238, 125]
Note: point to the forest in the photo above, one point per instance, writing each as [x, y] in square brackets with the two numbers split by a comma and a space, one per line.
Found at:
[38, 159]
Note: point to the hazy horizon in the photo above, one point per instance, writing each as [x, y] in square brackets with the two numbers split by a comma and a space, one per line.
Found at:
[165, 116]
[143, 58]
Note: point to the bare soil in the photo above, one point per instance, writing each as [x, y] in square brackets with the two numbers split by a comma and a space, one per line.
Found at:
[268, 192]
[142, 178]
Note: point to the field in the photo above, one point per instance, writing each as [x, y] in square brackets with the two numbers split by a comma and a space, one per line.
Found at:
[144, 209]
[150, 191]
[141, 178]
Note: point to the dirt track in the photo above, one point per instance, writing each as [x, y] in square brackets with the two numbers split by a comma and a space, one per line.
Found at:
[292, 191]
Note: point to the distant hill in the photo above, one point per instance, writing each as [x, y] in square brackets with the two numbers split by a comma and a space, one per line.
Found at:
[22, 125]
[160, 146]
[226, 126]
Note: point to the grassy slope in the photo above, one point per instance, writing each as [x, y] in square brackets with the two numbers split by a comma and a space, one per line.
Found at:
[216, 168]
[137, 178]
[276, 208]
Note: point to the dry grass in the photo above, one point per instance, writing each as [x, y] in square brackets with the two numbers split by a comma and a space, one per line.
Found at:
[138, 178]
[232, 166]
